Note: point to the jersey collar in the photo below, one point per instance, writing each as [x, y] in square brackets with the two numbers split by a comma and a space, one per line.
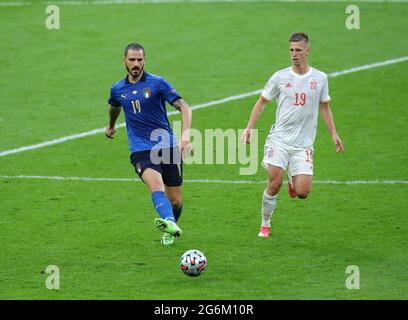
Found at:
[301, 75]
[143, 78]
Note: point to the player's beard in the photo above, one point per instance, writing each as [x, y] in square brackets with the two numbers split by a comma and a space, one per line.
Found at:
[135, 72]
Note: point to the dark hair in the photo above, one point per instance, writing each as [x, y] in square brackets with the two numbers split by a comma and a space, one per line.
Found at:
[134, 46]
[299, 36]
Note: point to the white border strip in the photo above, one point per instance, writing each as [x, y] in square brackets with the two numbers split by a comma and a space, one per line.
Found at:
[216, 181]
[199, 106]
[110, 2]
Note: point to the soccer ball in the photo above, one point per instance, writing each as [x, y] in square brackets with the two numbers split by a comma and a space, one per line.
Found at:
[193, 263]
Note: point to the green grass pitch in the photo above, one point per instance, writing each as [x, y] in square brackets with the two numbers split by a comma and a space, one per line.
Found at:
[100, 233]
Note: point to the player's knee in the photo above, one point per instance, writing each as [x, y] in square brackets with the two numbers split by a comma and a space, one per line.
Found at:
[302, 194]
[156, 186]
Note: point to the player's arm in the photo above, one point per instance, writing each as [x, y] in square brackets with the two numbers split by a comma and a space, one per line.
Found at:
[255, 114]
[186, 115]
[114, 113]
[325, 111]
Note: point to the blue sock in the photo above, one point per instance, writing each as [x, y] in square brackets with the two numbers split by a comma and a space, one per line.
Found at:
[162, 205]
[177, 213]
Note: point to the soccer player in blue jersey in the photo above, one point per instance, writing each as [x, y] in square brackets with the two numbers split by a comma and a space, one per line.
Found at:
[155, 153]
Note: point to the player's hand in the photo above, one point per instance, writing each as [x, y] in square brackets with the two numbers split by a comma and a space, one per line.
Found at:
[246, 136]
[338, 143]
[186, 149]
[109, 132]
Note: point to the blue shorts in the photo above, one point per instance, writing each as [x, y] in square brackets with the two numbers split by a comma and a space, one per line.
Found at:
[167, 162]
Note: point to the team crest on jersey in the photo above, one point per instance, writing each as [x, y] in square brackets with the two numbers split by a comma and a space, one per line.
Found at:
[313, 84]
[147, 93]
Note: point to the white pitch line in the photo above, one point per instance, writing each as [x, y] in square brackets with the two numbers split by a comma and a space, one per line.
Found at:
[119, 2]
[216, 181]
[14, 4]
[369, 66]
[199, 106]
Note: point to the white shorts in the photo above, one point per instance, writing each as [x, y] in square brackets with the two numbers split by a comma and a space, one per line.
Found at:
[296, 161]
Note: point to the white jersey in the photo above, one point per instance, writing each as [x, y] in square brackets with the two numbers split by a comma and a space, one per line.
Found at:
[298, 98]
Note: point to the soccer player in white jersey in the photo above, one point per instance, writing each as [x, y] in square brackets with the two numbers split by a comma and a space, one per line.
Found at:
[300, 92]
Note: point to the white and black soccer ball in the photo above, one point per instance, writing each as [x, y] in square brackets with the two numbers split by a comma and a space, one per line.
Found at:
[193, 263]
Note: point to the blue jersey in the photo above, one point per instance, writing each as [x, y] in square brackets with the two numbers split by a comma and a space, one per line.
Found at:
[144, 105]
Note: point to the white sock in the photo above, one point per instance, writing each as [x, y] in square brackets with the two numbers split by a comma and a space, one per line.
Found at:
[268, 206]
